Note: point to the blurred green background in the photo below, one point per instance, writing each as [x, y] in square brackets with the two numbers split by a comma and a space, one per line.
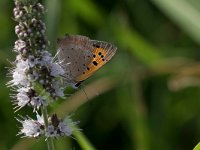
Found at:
[146, 98]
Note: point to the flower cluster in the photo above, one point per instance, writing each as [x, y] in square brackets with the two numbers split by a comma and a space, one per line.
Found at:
[36, 128]
[34, 64]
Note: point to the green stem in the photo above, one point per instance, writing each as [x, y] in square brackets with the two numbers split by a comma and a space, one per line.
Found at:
[49, 140]
[82, 140]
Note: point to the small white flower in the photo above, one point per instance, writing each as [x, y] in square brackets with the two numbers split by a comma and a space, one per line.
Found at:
[17, 29]
[36, 102]
[32, 61]
[22, 65]
[19, 78]
[64, 129]
[19, 45]
[31, 128]
[22, 97]
[46, 58]
[40, 119]
[59, 90]
[56, 70]
[18, 57]
[19, 73]
[34, 76]
[51, 132]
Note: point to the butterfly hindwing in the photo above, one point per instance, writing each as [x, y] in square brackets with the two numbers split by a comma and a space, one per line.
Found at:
[74, 53]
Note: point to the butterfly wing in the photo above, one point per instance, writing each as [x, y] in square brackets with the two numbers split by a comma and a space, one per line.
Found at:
[80, 57]
[102, 53]
[74, 54]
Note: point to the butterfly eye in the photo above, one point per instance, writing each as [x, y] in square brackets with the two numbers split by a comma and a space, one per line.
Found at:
[78, 84]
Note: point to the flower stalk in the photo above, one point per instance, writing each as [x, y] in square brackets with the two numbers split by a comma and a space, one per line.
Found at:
[36, 76]
[49, 140]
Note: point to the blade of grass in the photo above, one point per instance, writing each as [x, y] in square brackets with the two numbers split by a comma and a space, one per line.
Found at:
[137, 45]
[87, 10]
[52, 18]
[82, 140]
[184, 14]
[79, 98]
[197, 147]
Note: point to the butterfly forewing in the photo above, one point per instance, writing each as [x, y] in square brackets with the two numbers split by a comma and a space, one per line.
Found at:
[102, 53]
[109, 48]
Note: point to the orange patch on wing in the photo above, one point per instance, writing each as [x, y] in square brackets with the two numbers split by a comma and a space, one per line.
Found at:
[97, 62]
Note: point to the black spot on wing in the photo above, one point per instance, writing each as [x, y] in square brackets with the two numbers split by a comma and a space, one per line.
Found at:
[96, 45]
[95, 63]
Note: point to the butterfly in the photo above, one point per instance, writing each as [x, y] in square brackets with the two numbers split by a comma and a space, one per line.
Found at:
[80, 57]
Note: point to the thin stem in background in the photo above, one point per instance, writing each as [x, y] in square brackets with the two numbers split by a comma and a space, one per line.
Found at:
[49, 140]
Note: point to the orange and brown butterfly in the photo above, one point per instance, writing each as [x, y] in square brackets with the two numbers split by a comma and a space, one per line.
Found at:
[81, 57]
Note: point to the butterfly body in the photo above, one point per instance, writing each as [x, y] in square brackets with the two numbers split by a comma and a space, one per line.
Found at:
[80, 57]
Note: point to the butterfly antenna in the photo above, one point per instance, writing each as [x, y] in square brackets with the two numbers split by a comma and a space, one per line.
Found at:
[56, 54]
[97, 93]
[85, 92]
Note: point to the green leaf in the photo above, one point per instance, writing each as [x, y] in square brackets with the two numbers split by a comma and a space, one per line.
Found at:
[197, 147]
